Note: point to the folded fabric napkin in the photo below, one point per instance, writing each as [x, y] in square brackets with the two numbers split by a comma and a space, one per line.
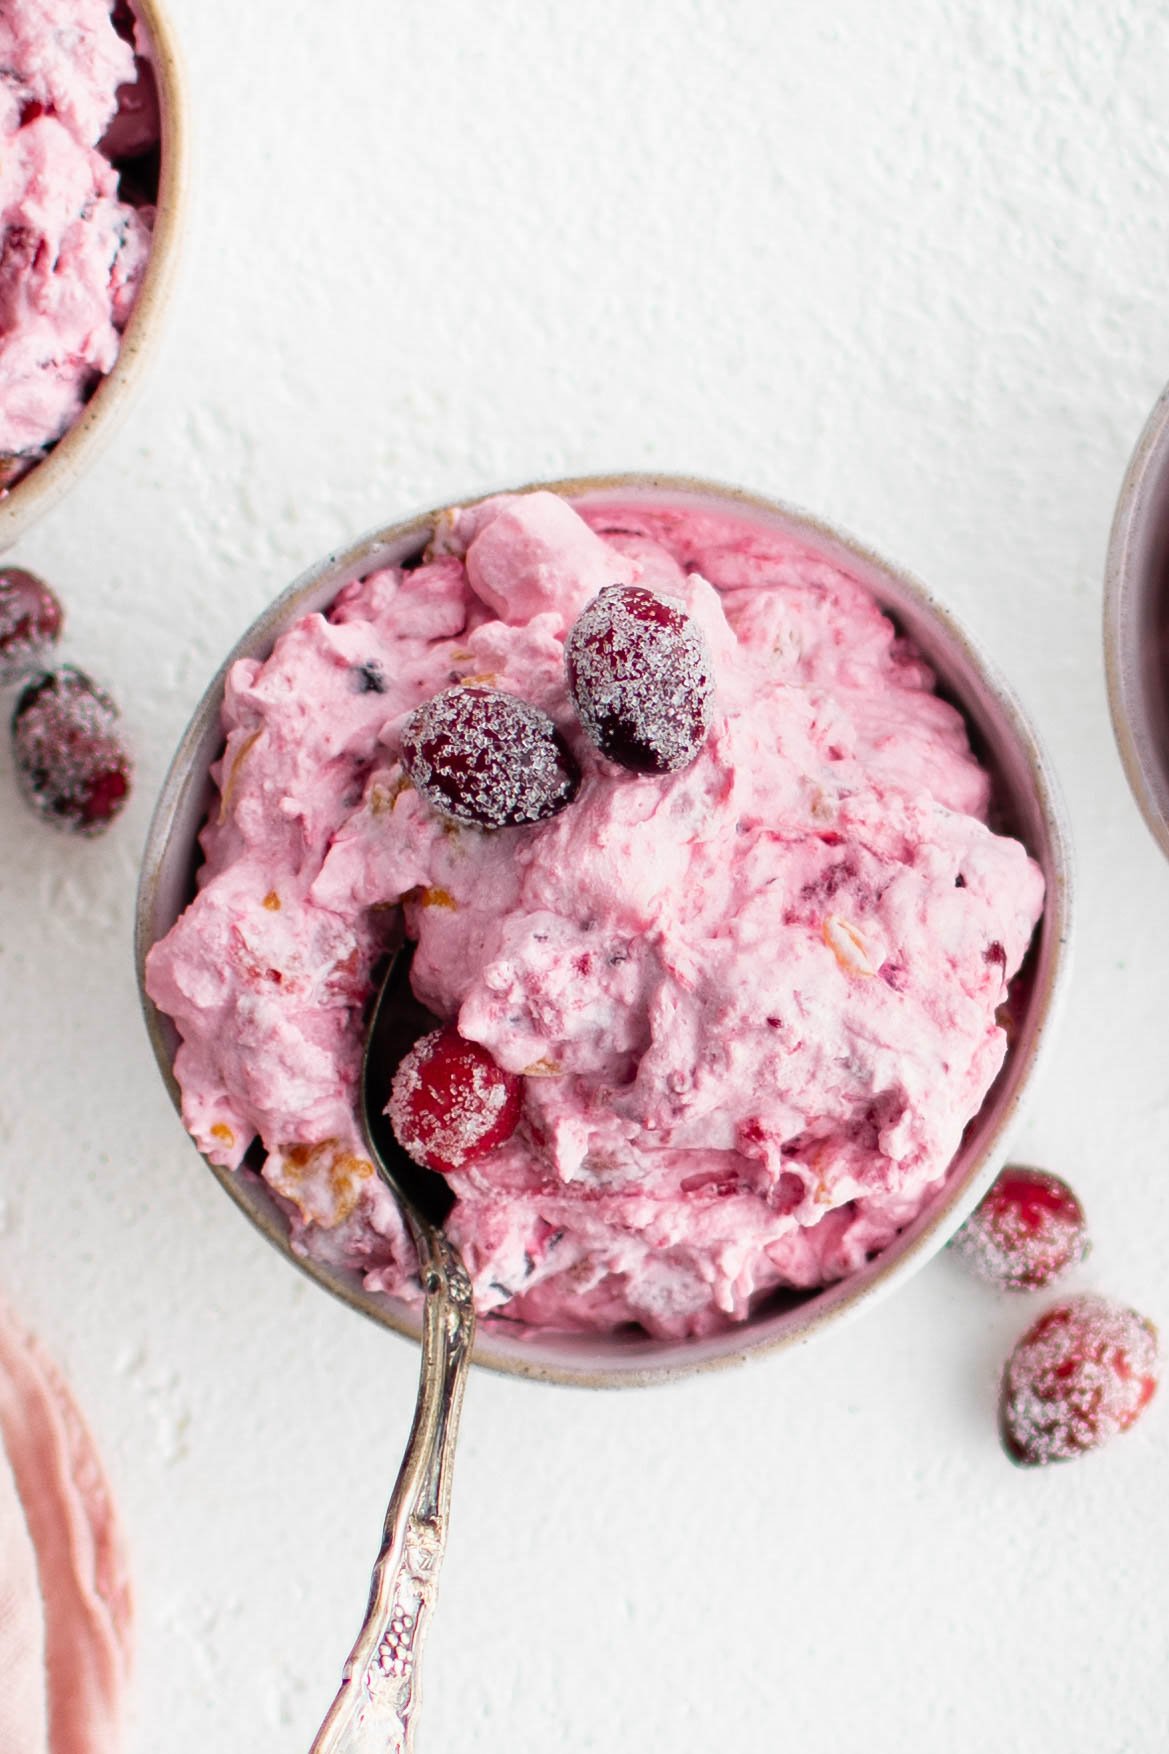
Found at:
[65, 1610]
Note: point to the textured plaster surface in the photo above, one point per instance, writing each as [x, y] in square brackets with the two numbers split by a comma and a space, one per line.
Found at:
[904, 265]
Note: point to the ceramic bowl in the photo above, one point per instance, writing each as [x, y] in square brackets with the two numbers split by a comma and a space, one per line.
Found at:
[1136, 622]
[45, 484]
[1026, 805]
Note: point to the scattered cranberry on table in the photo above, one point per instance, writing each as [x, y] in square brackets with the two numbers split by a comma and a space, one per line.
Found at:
[451, 1102]
[1028, 1231]
[1088, 1367]
[71, 764]
[30, 621]
[1083, 1373]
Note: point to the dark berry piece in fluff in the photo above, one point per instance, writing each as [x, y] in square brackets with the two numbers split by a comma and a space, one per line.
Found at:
[71, 764]
[30, 620]
[483, 756]
[640, 674]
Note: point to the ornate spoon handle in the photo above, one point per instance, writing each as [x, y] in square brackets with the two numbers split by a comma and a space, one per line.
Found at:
[375, 1710]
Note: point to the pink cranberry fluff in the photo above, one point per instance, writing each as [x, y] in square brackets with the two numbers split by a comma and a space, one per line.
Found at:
[1028, 1231]
[749, 1002]
[73, 244]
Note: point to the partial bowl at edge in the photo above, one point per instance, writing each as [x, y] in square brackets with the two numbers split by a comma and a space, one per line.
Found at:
[39, 490]
[1136, 622]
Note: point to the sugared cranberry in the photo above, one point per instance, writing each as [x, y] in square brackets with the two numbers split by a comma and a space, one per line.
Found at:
[484, 756]
[451, 1103]
[1028, 1230]
[30, 620]
[640, 675]
[72, 766]
[1083, 1373]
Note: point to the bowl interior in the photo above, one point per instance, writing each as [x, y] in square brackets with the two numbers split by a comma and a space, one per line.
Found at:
[44, 485]
[1024, 806]
[1136, 627]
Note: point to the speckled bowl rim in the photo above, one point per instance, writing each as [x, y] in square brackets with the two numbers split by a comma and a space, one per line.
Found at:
[72, 455]
[1126, 591]
[593, 1361]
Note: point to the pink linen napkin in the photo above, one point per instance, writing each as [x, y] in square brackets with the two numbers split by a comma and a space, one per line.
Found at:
[65, 1609]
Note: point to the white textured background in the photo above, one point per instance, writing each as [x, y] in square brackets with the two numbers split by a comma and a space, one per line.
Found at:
[901, 263]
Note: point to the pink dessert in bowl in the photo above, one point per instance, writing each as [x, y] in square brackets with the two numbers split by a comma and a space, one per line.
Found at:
[751, 999]
[91, 172]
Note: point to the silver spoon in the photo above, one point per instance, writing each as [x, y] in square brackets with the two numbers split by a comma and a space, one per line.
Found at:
[377, 1705]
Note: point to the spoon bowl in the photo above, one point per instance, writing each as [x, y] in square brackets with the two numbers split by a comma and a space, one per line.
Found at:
[376, 1706]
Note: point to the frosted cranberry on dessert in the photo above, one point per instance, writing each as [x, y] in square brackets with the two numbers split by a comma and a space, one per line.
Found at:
[1028, 1231]
[1082, 1374]
[482, 756]
[451, 1102]
[71, 764]
[30, 619]
[641, 679]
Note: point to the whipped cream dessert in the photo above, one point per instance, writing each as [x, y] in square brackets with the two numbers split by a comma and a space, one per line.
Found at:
[72, 248]
[751, 1001]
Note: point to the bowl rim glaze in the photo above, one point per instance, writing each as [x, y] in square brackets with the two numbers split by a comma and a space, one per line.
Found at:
[1128, 589]
[72, 455]
[601, 1361]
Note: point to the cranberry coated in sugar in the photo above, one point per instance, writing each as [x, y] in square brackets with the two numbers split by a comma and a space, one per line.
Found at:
[1028, 1230]
[483, 756]
[640, 675]
[71, 764]
[451, 1102]
[1083, 1373]
[30, 620]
